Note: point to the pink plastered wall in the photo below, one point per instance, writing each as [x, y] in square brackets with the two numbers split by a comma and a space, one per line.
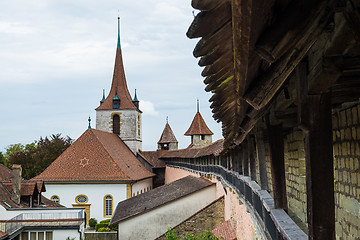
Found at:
[234, 210]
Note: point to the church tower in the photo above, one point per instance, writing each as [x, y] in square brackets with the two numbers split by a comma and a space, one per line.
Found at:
[200, 134]
[118, 113]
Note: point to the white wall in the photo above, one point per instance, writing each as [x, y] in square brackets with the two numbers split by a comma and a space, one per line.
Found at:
[64, 234]
[95, 193]
[141, 186]
[154, 223]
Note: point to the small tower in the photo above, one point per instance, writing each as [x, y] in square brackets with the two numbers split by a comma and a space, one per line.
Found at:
[167, 140]
[118, 113]
[200, 134]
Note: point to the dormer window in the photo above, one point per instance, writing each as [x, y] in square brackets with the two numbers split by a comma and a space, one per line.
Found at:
[116, 102]
[55, 198]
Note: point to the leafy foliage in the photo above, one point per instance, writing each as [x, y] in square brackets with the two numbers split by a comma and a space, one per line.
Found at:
[37, 156]
[105, 223]
[2, 159]
[104, 229]
[207, 235]
[92, 222]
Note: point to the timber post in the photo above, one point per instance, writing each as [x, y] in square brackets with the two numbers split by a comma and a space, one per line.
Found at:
[315, 119]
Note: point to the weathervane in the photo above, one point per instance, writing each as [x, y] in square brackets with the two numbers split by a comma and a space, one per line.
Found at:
[89, 119]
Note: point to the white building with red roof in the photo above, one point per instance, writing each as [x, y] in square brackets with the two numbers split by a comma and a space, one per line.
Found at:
[100, 168]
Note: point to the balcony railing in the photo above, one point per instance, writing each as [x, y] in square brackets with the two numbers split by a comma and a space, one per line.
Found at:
[274, 223]
[74, 218]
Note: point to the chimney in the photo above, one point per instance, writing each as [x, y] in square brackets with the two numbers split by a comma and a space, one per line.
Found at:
[16, 183]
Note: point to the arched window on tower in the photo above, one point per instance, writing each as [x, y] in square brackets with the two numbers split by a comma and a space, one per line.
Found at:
[116, 124]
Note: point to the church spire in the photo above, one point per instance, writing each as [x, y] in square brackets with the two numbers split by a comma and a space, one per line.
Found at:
[118, 40]
[118, 85]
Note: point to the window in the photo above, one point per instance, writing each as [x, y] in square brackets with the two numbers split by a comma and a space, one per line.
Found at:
[81, 199]
[202, 137]
[116, 124]
[36, 236]
[55, 198]
[108, 204]
[139, 125]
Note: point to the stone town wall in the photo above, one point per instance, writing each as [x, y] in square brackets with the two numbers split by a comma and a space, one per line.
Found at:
[207, 219]
[346, 149]
[346, 138]
[234, 210]
[295, 172]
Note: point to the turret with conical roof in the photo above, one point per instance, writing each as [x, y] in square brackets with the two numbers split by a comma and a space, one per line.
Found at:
[167, 140]
[200, 134]
[118, 113]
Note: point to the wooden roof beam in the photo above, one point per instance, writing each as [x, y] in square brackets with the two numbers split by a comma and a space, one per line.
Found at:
[222, 62]
[208, 22]
[206, 5]
[205, 45]
[224, 49]
[241, 23]
[288, 27]
[352, 15]
[222, 74]
[265, 87]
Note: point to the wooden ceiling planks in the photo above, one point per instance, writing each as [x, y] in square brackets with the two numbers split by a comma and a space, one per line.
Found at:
[250, 48]
[265, 87]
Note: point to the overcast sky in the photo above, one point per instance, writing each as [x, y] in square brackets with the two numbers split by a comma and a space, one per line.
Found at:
[56, 56]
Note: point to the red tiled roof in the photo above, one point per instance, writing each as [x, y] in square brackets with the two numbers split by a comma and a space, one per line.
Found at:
[198, 126]
[5, 173]
[118, 86]
[96, 156]
[225, 231]
[2, 234]
[214, 149]
[167, 135]
[153, 158]
[28, 188]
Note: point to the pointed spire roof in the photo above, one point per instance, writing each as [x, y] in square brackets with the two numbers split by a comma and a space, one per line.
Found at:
[198, 127]
[118, 85]
[167, 135]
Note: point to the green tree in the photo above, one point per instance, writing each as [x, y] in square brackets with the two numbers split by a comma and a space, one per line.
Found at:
[37, 156]
[2, 159]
